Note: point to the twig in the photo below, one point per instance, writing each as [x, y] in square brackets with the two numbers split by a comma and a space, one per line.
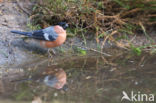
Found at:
[133, 38]
[131, 11]
[91, 49]
[141, 61]
[144, 30]
[103, 43]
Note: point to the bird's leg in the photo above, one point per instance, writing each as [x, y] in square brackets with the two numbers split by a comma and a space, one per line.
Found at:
[51, 52]
[50, 56]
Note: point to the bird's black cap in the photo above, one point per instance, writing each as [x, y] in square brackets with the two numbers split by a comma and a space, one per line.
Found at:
[64, 25]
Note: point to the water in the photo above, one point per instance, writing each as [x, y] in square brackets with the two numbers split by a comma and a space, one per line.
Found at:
[86, 79]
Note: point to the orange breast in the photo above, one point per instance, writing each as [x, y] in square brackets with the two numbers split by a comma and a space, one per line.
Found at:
[60, 39]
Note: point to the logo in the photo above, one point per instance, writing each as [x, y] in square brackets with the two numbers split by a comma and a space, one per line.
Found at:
[140, 97]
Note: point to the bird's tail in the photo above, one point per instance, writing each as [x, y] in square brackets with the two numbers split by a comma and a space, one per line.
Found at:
[22, 80]
[21, 33]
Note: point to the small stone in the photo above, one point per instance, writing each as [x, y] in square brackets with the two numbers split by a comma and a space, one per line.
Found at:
[55, 94]
[136, 83]
[88, 77]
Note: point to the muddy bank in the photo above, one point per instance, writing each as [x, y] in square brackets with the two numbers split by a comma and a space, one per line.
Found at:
[12, 18]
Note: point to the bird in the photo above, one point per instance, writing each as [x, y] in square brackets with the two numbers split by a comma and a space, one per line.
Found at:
[55, 77]
[51, 77]
[49, 37]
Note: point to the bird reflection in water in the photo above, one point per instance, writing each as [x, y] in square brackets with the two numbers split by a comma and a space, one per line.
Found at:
[51, 77]
[55, 78]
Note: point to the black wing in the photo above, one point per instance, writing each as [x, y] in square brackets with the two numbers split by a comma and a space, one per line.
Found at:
[38, 34]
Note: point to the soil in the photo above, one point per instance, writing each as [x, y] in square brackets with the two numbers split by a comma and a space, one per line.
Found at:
[13, 18]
